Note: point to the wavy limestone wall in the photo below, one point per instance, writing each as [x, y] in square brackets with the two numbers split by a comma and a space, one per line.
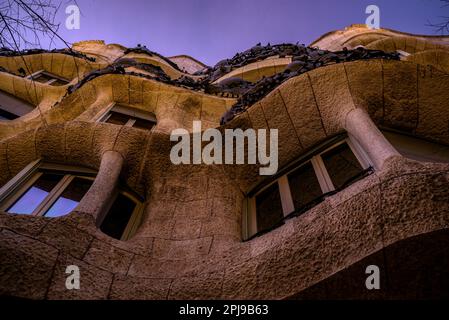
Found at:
[189, 244]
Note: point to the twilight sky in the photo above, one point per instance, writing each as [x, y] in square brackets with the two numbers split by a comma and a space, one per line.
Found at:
[211, 30]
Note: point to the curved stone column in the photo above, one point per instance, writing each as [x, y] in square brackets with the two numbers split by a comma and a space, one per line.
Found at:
[359, 124]
[100, 194]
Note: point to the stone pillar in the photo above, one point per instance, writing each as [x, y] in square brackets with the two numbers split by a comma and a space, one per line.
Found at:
[359, 124]
[100, 195]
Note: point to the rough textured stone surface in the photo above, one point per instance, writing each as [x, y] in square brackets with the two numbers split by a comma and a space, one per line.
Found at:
[300, 259]
[207, 286]
[309, 129]
[366, 86]
[23, 224]
[108, 257]
[51, 146]
[181, 249]
[353, 230]
[26, 265]
[94, 282]
[254, 279]
[401, 102]
[63, 234]
[331, 88]
[414, 204]
[24, 150]
[189, 243]
[433, 101]
[278, 118]
[129, 288]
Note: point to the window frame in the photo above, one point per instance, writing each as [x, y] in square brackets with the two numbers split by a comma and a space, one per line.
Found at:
[410, 146]
[18, 186]
[9, 115]
[14, 105]
[127, 111]
[48, 74]
[136, 216]
[249, 221]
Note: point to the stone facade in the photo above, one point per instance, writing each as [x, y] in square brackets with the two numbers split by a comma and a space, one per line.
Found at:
[189, 244]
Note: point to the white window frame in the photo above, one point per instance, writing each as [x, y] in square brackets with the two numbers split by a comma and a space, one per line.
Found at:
[128, 111]
[249, 224]
[48, 74]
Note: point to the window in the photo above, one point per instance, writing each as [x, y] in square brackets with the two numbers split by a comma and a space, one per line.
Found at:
[52, 190]
[48, 78]
[5, 115]
[341, 164]
[126, 116]
[12, 108]
[46, 190]
[268, 207]
[304, 185]
[417, 149]
[123, 217]
[318, 174]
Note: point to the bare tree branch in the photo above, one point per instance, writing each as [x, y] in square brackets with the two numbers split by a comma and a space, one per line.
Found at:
[11, 33]
[28, 22]
[441, 27]
[23, 23]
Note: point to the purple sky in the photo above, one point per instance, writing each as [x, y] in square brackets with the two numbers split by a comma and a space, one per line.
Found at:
[211, 30]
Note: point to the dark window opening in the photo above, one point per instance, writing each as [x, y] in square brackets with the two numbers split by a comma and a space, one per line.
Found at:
[12, 107]
[319, 174]
[304, 186]
[143, 124]
[118, 118]
[269, 208]
[126, 116]
[59, 82]
[117, 219]
[342, 165]
[42, 78]
[5, 115]
[47, 78]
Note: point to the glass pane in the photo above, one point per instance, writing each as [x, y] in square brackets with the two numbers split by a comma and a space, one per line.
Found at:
[118, 216]
[341, 164]
[34, 196]
[269, 208]
[118, 118]
[59, 82]
[143, 124]
[70, 198]
[42, 77]
[11, 107]
[304, 185]
[5, 115]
